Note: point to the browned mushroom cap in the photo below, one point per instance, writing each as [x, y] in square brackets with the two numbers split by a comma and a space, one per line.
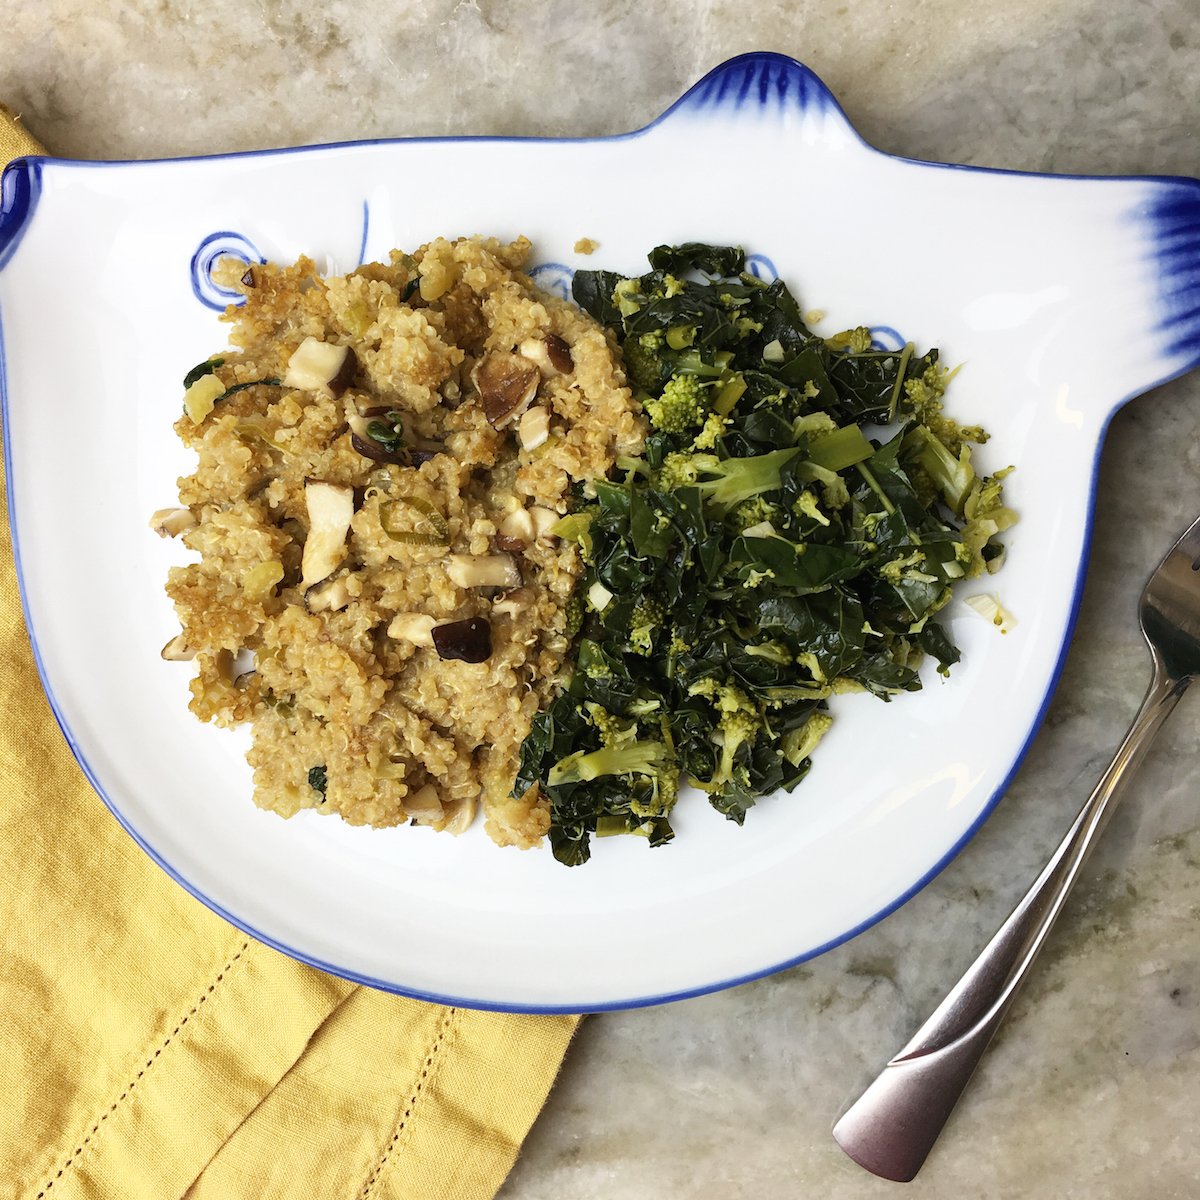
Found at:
[467, 641]
[506, 384]
[560, 353]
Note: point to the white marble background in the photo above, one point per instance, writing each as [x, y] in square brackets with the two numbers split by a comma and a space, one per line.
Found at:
[1093, 1087]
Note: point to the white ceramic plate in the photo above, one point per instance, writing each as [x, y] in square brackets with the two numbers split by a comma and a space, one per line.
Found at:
[1063, 297]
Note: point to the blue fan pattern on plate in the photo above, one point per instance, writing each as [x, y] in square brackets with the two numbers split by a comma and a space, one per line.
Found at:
[1173, 214]
[224, 244]
[765, 80]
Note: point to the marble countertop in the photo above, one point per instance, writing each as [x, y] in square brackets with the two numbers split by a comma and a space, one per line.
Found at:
[1092, 1087]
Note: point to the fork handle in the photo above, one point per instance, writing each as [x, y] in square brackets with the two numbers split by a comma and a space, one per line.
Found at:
[893, 1125]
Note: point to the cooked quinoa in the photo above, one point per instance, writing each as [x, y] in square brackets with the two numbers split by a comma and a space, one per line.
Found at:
[443, 406]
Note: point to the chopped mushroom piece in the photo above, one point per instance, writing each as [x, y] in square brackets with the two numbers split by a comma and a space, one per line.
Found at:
[171, 522]
[517, 528]
[544, 519]
[461, 815]
[551, 354]
[330, 509]
[483, 570]
[512, 602]
[464, 641]
[534, 427]
[316, 365]
[412, 627]
[424, 805]
[331, 596]
[506, 384]
[177, 650]
[560, 354]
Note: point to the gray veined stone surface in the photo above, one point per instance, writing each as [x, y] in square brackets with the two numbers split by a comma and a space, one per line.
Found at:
[1093, 1086]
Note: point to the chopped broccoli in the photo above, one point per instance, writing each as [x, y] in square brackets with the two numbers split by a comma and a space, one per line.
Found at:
[631, 758]
[753, 512]
[986, 516]
[800, 743]
[711, 432]
[645, 366]
[853, 341]
[923, 399]
[952, 474]
[682, 406]
[806, 506]
[731, 481]
[647, 618]
[739, 722]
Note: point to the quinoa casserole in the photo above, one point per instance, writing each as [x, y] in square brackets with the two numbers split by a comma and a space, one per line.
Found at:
[379, 593]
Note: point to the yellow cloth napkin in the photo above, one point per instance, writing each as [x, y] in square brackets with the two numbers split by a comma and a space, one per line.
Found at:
[150, 1050]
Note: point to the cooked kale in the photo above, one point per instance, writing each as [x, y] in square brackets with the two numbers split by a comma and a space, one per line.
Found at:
[766, 552]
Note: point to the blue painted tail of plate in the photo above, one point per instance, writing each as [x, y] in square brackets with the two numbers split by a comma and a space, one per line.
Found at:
[1172, 214]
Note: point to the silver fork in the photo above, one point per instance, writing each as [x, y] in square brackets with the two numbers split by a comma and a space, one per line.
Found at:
[893, 1125]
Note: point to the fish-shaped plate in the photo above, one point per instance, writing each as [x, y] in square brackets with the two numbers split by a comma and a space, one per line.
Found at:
[1061, 297]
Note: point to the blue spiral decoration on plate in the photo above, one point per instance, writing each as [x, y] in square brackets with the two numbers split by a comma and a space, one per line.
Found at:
[884, 337]
[554, 278]
[761, 267]
[223, 244]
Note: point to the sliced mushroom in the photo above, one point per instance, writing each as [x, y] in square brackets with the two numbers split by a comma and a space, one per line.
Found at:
[544, 519]
[560, 353]
[330, 509]
[171, 522]
[534, 427]
[320, 366]
[483, 570]
[416, 628]
[506, 384]
[551, 354]
[424, 805]
[462, 813]
[516, 530]
[177, 650]
[331, 596]
[463, 641]
[512, 602]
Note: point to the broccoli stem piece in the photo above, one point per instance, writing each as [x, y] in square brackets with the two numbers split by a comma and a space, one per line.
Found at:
[841, 449]
[636, 758]
[733, 480]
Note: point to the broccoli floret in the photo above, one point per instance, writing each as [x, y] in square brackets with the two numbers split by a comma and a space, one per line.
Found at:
[613, 731]
[853, 341]
[682, 406]
[799, 744]
[677, 470]
[987, 516]
[631, 758]
[923, 399]
[644, 363]
[952, 473]
[711, 432]
[806, 506]
[645, 622]
[738, 725]
[753, 512]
